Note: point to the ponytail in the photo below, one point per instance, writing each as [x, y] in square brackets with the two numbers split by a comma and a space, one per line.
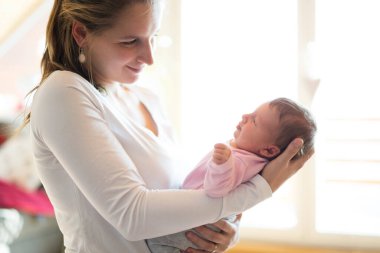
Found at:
[52, 46]
[60, 50]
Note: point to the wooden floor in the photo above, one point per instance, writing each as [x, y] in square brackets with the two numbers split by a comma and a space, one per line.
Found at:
[269, 248]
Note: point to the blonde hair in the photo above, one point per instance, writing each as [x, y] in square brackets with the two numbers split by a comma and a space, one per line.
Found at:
[61, 50]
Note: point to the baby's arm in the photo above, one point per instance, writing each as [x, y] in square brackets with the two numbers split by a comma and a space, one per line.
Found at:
[221, 153]
[220, 175]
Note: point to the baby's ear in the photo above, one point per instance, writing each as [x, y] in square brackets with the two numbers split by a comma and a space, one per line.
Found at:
[270, 151]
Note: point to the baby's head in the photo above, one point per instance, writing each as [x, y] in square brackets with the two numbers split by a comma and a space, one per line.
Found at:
[269, 130]
[294, 121]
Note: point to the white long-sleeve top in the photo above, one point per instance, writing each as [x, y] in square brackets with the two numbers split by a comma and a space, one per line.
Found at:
[109, 178]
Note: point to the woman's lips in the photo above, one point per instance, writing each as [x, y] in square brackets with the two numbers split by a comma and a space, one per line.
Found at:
[135, 70]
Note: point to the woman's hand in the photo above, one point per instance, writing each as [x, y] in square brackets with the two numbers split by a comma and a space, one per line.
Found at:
[213, 241]
[280, 169]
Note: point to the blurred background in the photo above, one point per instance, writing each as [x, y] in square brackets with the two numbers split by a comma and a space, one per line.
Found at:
[218, 59]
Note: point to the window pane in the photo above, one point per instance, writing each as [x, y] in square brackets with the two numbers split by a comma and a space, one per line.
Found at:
[236, 56]
[348, 155]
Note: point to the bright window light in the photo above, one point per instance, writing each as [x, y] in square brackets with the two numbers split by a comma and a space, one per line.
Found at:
[347, 103]
[234, 59]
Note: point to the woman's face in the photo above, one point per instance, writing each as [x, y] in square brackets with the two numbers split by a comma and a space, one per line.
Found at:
[120, 53]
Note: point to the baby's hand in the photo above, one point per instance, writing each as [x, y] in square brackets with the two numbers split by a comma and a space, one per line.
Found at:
[221, 153]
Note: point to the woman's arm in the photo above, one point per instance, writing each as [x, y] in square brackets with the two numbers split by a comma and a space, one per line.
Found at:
[67, 119]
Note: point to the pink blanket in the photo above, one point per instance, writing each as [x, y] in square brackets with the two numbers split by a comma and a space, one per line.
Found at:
[35, 203]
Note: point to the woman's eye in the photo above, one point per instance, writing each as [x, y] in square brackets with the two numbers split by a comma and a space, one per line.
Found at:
[129, 42]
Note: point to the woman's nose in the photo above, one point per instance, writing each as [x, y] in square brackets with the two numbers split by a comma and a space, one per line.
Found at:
[146, 54]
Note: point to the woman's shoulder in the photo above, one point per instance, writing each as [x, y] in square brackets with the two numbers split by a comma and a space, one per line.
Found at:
[65, 85]
[62, 78]
[60, 81]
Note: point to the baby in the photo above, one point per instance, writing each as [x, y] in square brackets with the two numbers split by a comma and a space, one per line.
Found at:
[259, 137]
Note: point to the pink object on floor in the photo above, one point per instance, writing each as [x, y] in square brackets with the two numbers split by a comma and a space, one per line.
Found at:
[2, 139]
[35, 203]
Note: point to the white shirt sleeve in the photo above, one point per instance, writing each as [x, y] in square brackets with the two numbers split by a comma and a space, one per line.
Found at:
[68, 124]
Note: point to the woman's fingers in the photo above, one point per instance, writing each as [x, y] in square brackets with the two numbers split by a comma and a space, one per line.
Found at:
[297, 164]
[202, 244]
[225, 236]
[280, 169]
[291, 150]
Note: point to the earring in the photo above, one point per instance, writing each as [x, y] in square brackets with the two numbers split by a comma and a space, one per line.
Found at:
[82, 57]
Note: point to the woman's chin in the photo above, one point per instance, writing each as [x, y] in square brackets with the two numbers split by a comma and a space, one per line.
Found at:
[129, 79]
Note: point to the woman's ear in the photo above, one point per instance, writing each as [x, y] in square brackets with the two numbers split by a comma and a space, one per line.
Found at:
[79, 33]
[269, 151]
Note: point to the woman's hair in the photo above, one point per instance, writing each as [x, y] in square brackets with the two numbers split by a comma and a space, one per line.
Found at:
[295, 121]
[61, 50]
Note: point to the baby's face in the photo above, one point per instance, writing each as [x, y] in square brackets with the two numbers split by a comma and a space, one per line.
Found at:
[257, 130]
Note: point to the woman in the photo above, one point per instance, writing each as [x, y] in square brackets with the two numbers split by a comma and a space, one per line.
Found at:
[102, 146]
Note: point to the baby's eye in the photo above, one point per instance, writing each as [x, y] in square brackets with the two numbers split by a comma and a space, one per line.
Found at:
[253, 119]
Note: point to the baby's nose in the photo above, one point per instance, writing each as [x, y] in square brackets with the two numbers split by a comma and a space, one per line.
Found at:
[244, 118]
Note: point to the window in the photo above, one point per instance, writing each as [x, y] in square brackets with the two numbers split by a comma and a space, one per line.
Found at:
[238, 55]
[347, 169]
[231, 63]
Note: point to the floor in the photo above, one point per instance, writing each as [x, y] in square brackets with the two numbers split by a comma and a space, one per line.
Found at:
[270, 248]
